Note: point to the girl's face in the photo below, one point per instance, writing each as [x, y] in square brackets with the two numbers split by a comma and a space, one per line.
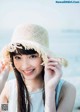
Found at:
[28, 65]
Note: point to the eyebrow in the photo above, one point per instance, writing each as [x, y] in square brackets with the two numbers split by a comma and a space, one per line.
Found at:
[26, 54]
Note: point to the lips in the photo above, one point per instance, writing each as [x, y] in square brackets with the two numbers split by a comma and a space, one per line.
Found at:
[28, 72]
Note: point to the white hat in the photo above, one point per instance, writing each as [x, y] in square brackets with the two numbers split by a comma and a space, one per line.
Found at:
[31, 36]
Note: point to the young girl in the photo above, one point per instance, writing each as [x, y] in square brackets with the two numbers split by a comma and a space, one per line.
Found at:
[38, 86]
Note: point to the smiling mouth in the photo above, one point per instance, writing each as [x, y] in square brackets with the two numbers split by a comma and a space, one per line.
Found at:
[28, 72]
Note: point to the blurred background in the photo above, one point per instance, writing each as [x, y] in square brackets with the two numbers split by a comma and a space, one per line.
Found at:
[62, 20]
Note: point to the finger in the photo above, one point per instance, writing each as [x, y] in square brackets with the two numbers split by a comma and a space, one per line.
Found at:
[5, 71]
[2, 67]
[52, 63]
[55, 59]
[58, 60]
[1, 64]
[58, 67]
[54, 67]
[52, 59]
[57, 64]
[51, 68]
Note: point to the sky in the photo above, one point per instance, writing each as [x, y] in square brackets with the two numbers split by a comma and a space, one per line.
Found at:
[44, 12]
[55, 17]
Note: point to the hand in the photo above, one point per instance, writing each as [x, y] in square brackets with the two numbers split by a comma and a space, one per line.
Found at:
[53, 73]
[4, 67]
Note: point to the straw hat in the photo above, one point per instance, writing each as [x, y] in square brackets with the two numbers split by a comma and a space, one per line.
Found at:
[31, 36]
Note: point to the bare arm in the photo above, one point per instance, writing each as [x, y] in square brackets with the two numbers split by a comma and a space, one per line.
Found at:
[67, 98]
[53, 73]
[4, 72]
[50, 105]
[4, 96]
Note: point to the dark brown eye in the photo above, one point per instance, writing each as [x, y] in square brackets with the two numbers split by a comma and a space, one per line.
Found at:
[17, 57]
[33, 56]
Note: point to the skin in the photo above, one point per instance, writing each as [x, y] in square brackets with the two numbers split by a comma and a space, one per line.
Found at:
[30, 67]
[4, 71]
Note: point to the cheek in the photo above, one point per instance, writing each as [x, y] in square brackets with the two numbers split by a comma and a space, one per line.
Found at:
[16, 64]
[37, 63]
[39, 66]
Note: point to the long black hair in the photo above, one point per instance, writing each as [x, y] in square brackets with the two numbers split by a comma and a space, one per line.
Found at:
[23, 94]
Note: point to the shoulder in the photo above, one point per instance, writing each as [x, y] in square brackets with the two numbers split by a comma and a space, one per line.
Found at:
[9, 83]
[12, 81]
[67, 95]
[68, 88]
[7, 88]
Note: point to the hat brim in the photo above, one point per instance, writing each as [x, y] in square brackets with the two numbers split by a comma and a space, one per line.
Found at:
[44, 52]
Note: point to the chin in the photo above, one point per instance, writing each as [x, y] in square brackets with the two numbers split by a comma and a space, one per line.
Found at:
[30, 77]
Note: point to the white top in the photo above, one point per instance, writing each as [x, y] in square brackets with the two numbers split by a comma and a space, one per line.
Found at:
[36, 97]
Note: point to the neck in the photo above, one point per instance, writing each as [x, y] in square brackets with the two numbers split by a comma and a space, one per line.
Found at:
[33, 85]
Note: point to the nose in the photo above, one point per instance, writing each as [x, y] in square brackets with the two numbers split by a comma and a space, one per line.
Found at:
[25, 65]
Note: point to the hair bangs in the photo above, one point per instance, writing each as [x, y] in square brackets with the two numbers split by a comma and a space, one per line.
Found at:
[22, 50]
